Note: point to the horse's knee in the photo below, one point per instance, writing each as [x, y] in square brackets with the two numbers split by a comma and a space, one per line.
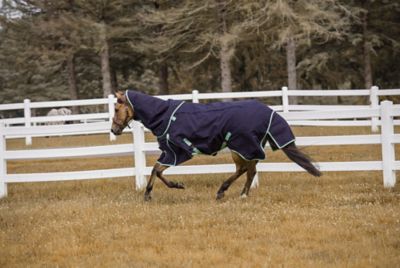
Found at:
[158, 173]
[158, 170]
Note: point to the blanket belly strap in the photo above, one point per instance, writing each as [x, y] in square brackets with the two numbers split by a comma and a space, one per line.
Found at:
[195, 151]
[225, 143]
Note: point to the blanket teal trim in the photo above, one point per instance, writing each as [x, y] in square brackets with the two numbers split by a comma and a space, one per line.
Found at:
[171, 119]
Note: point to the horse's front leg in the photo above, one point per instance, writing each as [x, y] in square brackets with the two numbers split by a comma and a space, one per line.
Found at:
[170, 184]
[157, 171]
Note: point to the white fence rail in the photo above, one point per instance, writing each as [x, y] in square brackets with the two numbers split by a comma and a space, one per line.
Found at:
[373, 95]
[383, 113]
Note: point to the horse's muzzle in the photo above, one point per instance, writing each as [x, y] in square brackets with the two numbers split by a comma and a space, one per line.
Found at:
[116, 132]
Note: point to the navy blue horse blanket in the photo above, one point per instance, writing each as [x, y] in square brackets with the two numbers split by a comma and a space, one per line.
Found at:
[186, 129]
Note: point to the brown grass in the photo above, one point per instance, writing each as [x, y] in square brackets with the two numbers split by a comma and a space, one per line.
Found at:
[341, 219]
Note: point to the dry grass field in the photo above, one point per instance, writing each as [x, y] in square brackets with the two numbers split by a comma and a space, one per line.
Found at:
[343, 219]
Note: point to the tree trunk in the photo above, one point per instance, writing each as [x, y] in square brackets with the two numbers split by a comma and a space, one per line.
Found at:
[291, 67]
[105, 62]
[163, 86]
[367, 55]
[73, 89]
[226, 77]
[114, 80]
[225, 52]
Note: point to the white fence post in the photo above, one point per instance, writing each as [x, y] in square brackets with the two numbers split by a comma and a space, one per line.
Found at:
[111, 112]
[195, 96]
[27, 116]
[374, 103]
[3, 165]
[388, 153]
[140, 155]
[285, 99]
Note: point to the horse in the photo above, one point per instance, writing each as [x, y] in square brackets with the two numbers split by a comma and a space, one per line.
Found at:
[56, 112]
[186, 129]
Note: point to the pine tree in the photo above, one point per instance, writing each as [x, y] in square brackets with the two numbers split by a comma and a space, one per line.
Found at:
[50, 45]
[85, 48]
[199, 31]
[297, 24]
[115, 23]
[377, 29]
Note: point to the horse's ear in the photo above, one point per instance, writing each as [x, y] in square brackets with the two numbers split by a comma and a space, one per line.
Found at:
[120, 97]
[119, 94]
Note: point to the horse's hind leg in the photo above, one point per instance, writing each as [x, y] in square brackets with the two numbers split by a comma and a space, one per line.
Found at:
[241, 167]
[251, 172]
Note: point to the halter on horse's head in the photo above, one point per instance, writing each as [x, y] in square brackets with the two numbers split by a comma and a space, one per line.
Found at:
[123, 114]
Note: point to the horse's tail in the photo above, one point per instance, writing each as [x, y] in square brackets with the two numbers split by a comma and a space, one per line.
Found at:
[303, 160]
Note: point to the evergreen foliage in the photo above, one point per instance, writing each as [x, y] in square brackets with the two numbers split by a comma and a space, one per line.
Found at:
[72, 49]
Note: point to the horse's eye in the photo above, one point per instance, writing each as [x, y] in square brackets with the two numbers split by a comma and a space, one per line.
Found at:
[116, 110]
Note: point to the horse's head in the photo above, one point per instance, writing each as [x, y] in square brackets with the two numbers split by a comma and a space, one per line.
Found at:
[123, 114]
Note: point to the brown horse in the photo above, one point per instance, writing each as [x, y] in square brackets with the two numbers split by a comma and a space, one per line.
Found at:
[127, 109]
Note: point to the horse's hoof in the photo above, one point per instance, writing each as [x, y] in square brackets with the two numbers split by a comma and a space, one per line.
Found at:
[243, 196]
[220, 196]
[147, 197]
[179, 185]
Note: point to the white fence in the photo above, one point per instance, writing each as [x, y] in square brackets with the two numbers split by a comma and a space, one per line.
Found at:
[383, 115]
[373, 95]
